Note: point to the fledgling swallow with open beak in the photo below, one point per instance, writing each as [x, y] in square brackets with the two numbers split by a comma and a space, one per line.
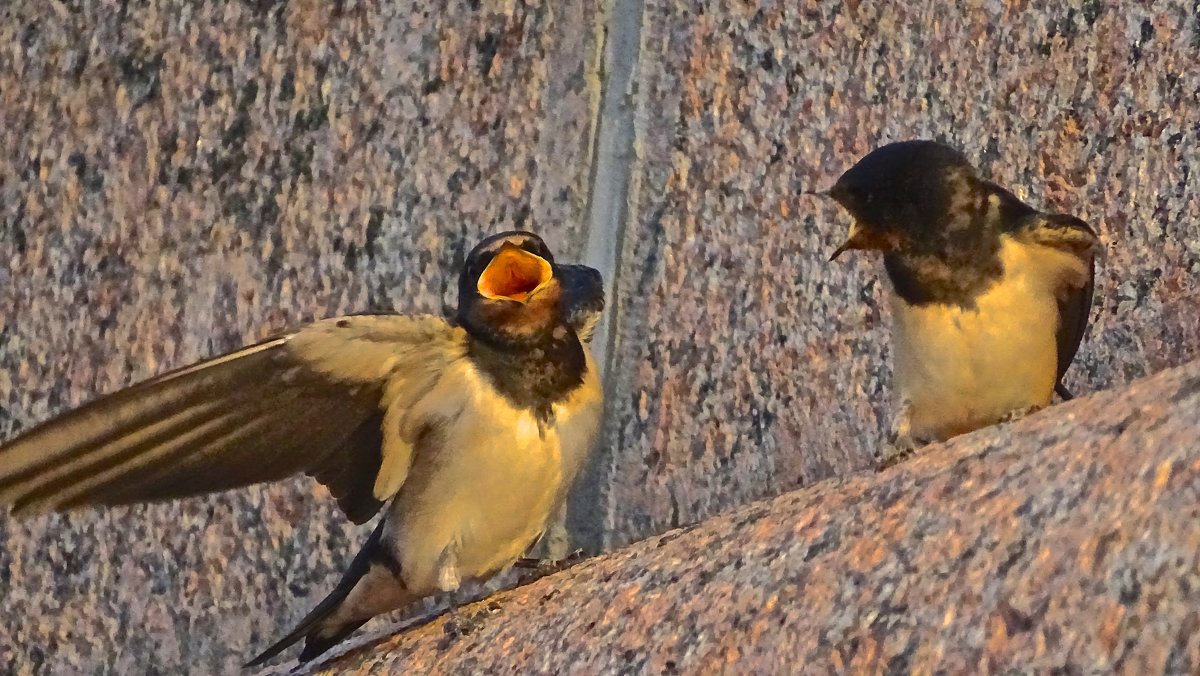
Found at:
[990, 297]
[470, 431]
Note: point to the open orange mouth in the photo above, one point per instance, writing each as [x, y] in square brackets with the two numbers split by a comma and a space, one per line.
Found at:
[514, 274]
[863, 238]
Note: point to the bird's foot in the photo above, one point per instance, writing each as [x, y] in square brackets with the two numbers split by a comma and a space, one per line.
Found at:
[1018, 413]
[536, 569]
[900, 446]
[459, 625]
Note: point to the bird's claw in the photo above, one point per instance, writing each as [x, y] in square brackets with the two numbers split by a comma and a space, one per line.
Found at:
[1018, 413]
[457, 625]
[900, 446]
[536, 569]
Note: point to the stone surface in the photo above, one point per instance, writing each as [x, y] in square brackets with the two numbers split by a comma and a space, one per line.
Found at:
[750, 365]
[1067, 542]
[178, 179]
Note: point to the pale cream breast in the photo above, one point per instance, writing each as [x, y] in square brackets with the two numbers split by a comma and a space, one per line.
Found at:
[960, 369]
[477, 498]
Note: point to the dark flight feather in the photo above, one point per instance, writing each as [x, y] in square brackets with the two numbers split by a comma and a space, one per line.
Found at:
[308, 403]
[1073, 314]
[221, 424]
[314, 645]
[1070, 234]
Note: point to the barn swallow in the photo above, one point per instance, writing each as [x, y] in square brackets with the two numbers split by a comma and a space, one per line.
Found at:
[989, 296]
[470, 429]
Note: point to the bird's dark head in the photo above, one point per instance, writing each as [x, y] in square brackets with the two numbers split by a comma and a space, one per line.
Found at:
[582, 299]
[907, 196]
[512, 292]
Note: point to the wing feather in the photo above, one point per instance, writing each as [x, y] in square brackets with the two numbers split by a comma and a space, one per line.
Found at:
[310, 402]
[1076, 238]
[1073, 314]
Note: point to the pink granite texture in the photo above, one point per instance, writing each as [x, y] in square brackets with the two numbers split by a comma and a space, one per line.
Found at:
[751, 365]
[178, 179]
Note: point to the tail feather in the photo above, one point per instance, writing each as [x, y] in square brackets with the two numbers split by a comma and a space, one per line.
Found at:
[1063, 392]
[317, 644]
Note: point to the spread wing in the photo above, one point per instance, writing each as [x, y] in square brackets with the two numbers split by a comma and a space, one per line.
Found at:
[1073, 311]
[313, 401]
[1075, 238]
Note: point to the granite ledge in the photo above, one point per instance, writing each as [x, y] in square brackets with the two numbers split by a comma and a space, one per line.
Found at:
[1067, 540]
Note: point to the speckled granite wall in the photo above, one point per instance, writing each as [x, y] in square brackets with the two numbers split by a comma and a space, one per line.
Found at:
[1068, 542]
[179, 178]
[751, 365]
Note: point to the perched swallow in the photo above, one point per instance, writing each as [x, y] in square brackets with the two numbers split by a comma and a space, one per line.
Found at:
[471, 431]
[990, 297]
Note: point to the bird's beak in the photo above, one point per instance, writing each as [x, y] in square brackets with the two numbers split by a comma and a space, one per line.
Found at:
[514, 274]
[865, 238]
